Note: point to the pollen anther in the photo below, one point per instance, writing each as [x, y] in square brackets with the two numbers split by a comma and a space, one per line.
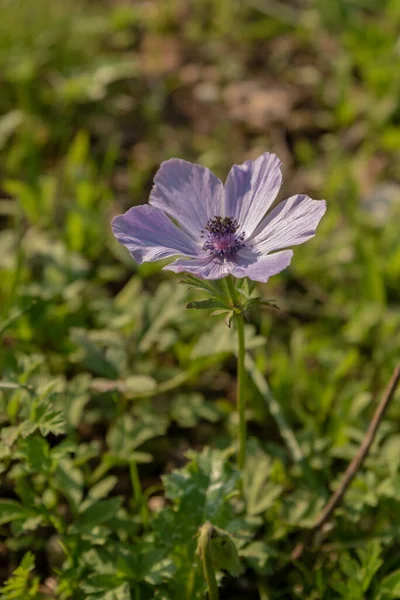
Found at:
[221, 236]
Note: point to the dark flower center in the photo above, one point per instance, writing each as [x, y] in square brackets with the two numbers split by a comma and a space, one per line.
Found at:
[221, 237]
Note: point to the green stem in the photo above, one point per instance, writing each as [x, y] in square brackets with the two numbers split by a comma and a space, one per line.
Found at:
[240, 392]
[262, 590]
[137, 491]
[135, 481]
[241, 374]
[205, 552]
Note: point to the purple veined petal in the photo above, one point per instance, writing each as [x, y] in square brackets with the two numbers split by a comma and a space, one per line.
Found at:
[250, 190]
[149, 235]
[201, 267]
[292, 222]
[189, 193]
[263, 267]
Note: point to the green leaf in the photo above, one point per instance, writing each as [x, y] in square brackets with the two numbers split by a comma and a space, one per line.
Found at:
[51, 420]
[9, 434]
[188, 409]
[155, 567]
[127, 433]
[271, 303]
[27, 198]
[390, 586]
[20, 586]
[209, 303]
[216, 288]
[201, 491]
[102, 489]
[371, 561]
[165, 306]
[198, 493]
[105, 587]
[92, 355]
[224, 553]
[122, 592]
[258, 555]
[223, 340]
[11, 510]
[246, 287]
[138, 384]
[36, 452]
[260, 492]
[97, 513]
[68, 479]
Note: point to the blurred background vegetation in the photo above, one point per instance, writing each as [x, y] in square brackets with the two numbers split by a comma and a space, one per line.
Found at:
[107, 381]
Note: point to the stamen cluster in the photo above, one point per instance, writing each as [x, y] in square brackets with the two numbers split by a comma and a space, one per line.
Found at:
[220, 235]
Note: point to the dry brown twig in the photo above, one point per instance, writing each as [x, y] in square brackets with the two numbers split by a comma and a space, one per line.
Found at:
[354, 466]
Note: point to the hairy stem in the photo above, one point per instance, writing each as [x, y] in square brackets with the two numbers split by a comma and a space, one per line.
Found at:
[205, 553]
[241, 374]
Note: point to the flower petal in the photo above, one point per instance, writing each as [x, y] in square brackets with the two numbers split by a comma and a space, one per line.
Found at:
[202, 267]
[292, 222]
[149, 235]
[251, 188]
[263, 267]
[189, 193]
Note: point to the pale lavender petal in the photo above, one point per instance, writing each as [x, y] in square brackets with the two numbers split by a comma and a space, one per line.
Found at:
[292, 222]
[189, 193]
[204, 268]
[149, 235]
[250, 190]
[263, 267]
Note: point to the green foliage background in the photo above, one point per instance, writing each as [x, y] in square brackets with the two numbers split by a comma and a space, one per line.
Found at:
[117, 405]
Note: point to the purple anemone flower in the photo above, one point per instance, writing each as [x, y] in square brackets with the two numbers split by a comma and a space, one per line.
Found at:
[223, 230]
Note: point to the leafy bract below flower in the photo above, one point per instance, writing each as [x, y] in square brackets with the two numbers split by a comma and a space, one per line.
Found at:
[222, 229]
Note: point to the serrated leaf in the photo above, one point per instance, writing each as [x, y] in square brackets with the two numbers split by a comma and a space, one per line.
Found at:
[20, 586]
[188, 409]
[68, 479]
[36, 452]
[155, 567]
[49, 419]
[164, 306]
[198, 493]
[127, 434]
[260, 493]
